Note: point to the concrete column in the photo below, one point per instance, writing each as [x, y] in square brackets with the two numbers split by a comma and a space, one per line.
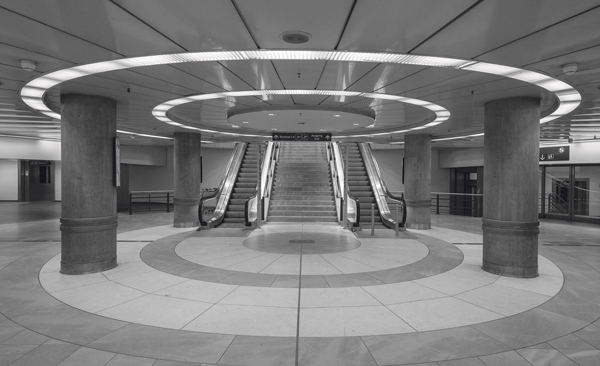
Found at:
[89, 195]
[187, 155]
[417, 181]
[510, 187]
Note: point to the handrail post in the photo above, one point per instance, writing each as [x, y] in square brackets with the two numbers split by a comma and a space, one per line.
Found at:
[258, 191]
[345, 217]
[372, 219]
[130, 210]
[397, 217]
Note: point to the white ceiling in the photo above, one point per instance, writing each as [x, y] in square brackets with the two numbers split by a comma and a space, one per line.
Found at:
[539, 35]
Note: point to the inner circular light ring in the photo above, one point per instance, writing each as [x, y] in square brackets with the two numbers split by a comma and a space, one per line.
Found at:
[568, 97]
[160, 112]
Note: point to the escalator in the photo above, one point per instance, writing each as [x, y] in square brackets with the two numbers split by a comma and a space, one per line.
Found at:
[366, 186]
[235, 199]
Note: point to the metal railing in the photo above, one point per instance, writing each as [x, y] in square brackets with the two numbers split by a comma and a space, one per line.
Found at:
[347, 205]
[259, 201]
[384, 198]
[142, 201]
[461, 204]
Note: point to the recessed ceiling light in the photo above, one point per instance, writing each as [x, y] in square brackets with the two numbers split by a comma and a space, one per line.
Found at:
[295, 37]
[274, 129]
[356, 124]
[271, 114]
[244, 122]
[336, 115]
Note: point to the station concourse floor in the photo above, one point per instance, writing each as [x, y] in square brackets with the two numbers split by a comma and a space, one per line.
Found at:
[310, 293]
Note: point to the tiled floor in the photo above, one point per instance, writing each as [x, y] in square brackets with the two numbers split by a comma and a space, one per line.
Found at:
[233, 297]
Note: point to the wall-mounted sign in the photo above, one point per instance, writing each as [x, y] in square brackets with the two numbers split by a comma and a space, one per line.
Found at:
[302, 136]
[555, 153]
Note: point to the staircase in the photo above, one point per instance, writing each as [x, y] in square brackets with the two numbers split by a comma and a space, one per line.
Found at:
[302, 190]
[244, 187]
[359, 184]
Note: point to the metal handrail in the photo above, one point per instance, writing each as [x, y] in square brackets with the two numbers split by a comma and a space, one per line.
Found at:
[352, 204]
[223, 193]
[148, 197]
[264, 184]
[380, 190]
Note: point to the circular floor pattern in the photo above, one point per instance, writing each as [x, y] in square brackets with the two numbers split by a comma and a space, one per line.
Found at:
[301, 243]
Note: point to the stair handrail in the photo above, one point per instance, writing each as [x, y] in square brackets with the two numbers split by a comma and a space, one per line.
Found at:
[353, 204]
[266, 182]
[380, 190]
[225, 188]
[337, 191]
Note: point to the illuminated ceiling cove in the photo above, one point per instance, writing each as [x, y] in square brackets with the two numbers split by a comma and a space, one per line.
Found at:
[220, 67]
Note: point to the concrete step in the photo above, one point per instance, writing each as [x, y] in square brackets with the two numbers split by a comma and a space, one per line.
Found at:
[302, 219]
[297, 203]
[303, 213]
[277, 193]
[232, 220]
[300, 197]
[289, 208]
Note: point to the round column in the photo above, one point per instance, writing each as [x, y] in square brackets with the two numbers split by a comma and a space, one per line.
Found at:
[187, 155]
[510, 187]
[89, 195]
[417, 181]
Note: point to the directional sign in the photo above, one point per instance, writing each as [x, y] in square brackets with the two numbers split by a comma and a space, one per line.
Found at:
[555, 153]
[302, 136]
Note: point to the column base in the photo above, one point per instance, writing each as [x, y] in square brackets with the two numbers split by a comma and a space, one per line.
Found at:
[498, 269]
[86, 268]
[186, 224]
[418, 226]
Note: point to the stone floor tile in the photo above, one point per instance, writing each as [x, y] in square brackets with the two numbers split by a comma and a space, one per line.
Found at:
[68, 324]
[262, 296]
[126, 360]
[350, 321]
[529, 328]
[166, 344]
[441, 313]
[9, 354]
[348, 351]
[88, 357]
[570, 342]
[472, 361]
[511, 358]
[336, 297]
[590, 334]
[431, 346]
[503, 300]
[263, 351]
[583, 357]
[544, 357]
[246, 320]
[9, 332]
[46, 355]
[26, 338]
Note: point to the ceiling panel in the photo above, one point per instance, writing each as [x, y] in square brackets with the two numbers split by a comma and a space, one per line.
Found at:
[268, 19]
[101, 23]
[26, 33]
[494, 23]
[397, 26]
[195, 25]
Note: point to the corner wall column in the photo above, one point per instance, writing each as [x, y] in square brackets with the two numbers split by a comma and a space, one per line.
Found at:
[89, 195]
[510, 187]
[417, 181]
[187, 153]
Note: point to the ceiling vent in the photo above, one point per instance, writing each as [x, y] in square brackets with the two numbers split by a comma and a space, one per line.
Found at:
[295, 37]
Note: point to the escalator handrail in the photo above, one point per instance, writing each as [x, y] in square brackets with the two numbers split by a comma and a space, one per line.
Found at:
[225, 188]
[377, 182]
[340, 165]
[265, 172]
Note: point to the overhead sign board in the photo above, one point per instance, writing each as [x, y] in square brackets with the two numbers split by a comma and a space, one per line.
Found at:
[555, 153]
[302, 136]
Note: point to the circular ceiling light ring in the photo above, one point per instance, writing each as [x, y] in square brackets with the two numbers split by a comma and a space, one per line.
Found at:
[568, 97]
[161, 111]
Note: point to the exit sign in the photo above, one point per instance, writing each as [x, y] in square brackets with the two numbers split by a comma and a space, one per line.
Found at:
[555, 153]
